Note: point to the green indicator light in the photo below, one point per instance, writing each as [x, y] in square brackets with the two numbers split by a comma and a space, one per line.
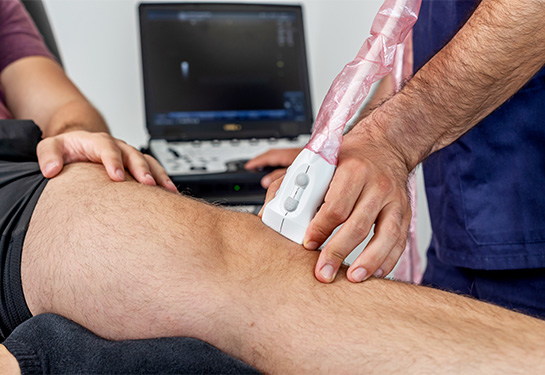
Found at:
[237, 187]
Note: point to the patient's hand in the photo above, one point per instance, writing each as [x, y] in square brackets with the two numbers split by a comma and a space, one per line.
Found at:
[114, 154]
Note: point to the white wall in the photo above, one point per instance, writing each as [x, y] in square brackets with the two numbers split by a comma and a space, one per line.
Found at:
[99, 44]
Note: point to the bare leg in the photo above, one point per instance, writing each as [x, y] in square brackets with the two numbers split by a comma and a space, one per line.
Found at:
[123, 259]
[8, 363]
[130, 261]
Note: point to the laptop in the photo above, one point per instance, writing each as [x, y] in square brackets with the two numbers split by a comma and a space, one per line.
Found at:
[223, 83]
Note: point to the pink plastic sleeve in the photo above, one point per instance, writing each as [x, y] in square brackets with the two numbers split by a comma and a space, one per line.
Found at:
[374, 60]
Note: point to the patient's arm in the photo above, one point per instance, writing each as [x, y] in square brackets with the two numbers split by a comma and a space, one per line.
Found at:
[37, 88]
[133, 261]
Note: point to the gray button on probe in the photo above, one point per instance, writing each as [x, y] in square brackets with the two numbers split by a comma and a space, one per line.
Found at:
[302, 180]
[290, 204]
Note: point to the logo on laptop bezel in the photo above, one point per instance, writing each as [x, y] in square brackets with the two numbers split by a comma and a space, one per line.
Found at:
[232, 127]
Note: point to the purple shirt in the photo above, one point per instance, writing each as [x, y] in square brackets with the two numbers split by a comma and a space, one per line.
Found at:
[18, 38]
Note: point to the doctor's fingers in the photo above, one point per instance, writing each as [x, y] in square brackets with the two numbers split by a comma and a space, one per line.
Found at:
[271, 192]
[344, 191]
[383, 251]
[357, 227]
[274, 158]
[268, 179]
[396, 253]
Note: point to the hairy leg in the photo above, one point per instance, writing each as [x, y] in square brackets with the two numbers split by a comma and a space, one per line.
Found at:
[131, 261]
[123, 259]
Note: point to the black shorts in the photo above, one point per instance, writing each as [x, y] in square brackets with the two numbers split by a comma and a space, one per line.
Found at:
[21, 184]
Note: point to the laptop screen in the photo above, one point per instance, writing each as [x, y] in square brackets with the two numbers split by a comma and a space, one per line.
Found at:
[224, 70]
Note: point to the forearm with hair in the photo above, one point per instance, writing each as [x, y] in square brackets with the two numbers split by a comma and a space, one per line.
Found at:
[495, 53]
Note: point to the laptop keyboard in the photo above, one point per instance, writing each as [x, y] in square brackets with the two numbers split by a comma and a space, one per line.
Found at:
[216, 156]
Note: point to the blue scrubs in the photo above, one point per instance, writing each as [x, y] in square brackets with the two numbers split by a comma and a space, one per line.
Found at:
[486, 191]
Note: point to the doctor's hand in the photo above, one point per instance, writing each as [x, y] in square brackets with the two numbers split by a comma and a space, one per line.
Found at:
[273, 158]
[369, 187]
[116, 155]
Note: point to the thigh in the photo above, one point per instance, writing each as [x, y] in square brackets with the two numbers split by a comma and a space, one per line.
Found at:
[123, 259]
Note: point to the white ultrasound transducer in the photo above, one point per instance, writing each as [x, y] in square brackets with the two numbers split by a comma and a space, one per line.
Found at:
[307, 179]
[300, 195]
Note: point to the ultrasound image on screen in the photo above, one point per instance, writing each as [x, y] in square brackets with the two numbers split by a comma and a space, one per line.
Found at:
[204, 66]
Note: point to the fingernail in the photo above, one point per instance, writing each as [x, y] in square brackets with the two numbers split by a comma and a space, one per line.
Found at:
[120, 174]
[359, 274]
[171, 186]
[49, 167]
[311, 245]
[149, 179]
[378, 273]
[327, 272]
[265, 182]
